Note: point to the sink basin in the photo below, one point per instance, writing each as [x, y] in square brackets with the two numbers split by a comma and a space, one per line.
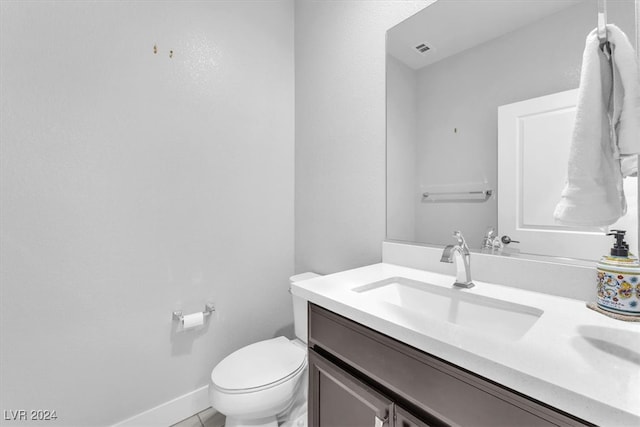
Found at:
[483, 314]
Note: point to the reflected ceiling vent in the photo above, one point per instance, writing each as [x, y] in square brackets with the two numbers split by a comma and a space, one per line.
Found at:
[422, 48]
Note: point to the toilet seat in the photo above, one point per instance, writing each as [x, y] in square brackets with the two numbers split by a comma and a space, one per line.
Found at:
[259, 366]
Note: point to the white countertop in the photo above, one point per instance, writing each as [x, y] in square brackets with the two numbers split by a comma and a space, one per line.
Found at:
[572, 358]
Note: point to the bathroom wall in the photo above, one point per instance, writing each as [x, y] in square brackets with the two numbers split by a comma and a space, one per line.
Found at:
[402, 135]
[340, 130]
[135, 184]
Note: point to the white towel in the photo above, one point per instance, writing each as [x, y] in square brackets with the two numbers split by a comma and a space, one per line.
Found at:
[593, 194]
[624, 106]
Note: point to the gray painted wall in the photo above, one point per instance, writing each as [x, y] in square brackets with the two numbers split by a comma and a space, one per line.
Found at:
[340, 130]
[134, 184]
[402, 136]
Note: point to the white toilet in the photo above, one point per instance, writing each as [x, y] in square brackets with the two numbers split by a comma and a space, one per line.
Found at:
[256, 384]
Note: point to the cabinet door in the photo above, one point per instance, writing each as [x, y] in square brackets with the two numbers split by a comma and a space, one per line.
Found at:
[405, 419]
[337, 399]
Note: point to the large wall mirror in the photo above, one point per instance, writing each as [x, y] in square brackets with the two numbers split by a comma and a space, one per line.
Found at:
[459, 75]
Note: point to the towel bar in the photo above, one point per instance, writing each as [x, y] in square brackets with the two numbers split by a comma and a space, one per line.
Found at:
[457, 196]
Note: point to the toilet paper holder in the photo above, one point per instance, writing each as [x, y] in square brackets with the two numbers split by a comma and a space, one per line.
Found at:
[208, 309]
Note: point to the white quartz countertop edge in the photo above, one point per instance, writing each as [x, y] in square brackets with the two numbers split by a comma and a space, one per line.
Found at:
[572, 358]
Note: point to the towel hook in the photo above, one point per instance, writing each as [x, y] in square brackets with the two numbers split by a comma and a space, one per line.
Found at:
[602, 21]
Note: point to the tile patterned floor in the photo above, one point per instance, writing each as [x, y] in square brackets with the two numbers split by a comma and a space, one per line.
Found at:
[206, 418]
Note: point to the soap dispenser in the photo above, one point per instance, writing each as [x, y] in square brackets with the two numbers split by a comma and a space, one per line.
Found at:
[618, 281]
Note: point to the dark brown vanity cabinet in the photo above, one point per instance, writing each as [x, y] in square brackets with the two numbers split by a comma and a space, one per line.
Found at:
[344, 400]
[359, 377]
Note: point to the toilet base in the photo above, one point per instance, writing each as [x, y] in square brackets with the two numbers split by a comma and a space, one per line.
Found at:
[261, 422]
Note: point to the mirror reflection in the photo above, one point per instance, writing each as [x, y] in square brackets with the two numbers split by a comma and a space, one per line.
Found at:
[464, 78]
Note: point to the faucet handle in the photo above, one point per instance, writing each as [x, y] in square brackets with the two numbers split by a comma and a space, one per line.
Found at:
[458, 235]
[491, 233]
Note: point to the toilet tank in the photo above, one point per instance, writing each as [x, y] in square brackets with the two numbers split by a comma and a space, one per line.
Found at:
[300, 307]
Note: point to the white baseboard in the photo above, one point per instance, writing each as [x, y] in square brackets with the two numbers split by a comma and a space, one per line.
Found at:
[170, 412]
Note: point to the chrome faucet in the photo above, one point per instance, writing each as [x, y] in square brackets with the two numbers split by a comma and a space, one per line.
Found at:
[460, 254]
[490, 238]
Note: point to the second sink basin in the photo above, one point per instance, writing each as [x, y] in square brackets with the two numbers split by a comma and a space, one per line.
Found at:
[480, 313]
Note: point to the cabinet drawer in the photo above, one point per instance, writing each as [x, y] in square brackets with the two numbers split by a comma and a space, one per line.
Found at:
[453, 395]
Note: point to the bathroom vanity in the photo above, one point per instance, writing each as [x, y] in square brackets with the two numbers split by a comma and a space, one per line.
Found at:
[358, 375]
[396, 339]
[380, 355]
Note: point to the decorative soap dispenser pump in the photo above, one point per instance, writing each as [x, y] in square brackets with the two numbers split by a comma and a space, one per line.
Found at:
[618, 281]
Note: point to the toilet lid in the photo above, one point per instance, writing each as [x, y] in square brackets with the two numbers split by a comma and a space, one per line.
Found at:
[258, 364]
